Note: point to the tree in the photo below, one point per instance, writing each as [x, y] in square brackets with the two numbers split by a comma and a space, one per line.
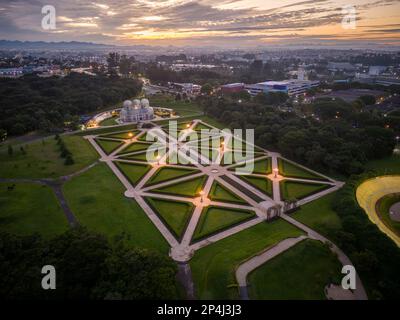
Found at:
[69, 160]
[206, 88]
[3, 135]
[368, 99]
[88, 267]
[137, 274]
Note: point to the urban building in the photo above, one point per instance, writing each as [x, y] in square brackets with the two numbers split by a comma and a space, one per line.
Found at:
[188, 88]
[291, 87]
[232, 87]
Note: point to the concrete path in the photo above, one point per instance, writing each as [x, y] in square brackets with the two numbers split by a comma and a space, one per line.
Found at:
[359, 293]
[182, 251]
[255, 262]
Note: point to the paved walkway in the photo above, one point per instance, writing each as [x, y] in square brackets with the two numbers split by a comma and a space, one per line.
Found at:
[255, 262]
[258, 201]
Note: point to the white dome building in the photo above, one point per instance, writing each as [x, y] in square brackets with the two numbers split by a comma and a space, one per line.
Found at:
[136, 110]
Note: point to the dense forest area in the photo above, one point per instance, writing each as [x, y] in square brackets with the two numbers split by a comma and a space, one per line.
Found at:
[87, 266]
[336, 137]
[31, 103]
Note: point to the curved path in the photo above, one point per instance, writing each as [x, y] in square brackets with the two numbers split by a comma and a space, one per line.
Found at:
[182, 251]
[244, 269]
[370, 191]
[255, 262]
[56, 186]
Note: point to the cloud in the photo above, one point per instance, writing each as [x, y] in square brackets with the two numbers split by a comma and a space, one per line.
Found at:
[124, 20]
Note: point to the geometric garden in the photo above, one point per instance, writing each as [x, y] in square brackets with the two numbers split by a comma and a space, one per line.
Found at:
[198, 190]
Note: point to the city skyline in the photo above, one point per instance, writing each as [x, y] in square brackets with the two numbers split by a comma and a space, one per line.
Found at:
[230, 23]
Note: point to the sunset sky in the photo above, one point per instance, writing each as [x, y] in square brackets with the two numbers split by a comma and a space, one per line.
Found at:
[220, 23]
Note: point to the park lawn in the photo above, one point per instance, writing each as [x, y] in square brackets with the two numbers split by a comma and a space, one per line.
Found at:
[43, 160]
[143, 156]
[136, 146]
[262, 166]
[209, 153]
[320, 216]
[177, 158]
[300, 273]
[152, 136]
[219, 193]
[213, 142]
[103, 130]
[189, 188]
[235, 157]
[97, 199]
[201, 126]
[174, 214]
[383, 208]
[260, 183]
[217, 219]
[134, 172]
[109, 122]
[121, 135]
[300, 190]
[108, 146]
[288, 169]
[30, 208]
[182, 107]
[169, 173]
[388, 165]
[213, 267]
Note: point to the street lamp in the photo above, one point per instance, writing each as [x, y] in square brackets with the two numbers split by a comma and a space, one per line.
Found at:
[276, 170]
[201, 196]
[158, 159]
[130, 134]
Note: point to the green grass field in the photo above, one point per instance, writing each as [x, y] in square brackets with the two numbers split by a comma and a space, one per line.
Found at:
[189, 188]
[219, 193]
[289, 169]
[97, 199]
[202, 126]
[389, 165]
[174, 214]
[30, 208]
[262, 166]
[108, 146]
[260, 183]
[209, 153]
[182, 107]
[383, 207]
[133, 147]
[108, 122]
[122, 135]
[320, 216]
[302, 272]
[213, 266]
[169, 173]
[133, 171]
[42, 158]
[299, 190]
[216, 219]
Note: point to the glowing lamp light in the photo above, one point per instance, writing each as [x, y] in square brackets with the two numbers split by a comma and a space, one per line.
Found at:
[201, 195]
[130, 134]
[276, 170]
[188, 125]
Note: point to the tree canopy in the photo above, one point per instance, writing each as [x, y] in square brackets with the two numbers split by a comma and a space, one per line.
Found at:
[87, 267]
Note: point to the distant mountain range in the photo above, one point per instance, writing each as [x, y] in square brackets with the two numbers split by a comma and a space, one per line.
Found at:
[15, 44]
